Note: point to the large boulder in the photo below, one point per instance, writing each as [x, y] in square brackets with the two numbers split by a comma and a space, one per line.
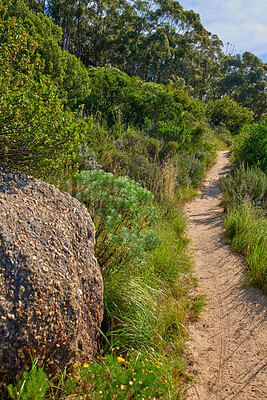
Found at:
[51, 289]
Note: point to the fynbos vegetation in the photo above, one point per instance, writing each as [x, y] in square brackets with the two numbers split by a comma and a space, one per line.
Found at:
[111, 102]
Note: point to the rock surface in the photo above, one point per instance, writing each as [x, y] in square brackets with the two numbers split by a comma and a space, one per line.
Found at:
[51, 289]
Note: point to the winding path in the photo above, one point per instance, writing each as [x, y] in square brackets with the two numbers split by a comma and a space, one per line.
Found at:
[229, 342]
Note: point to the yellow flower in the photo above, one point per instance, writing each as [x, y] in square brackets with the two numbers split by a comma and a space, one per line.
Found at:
[120, 359]
[85, 365]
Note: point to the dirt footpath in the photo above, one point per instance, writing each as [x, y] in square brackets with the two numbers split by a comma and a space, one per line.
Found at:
[229, 342]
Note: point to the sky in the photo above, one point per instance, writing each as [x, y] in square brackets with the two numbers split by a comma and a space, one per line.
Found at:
[242, 23]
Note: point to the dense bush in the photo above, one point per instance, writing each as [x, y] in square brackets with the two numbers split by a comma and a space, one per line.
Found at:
[195, 107]
[64, 69]
[230, 113]
[122, 213]
[151, 107]
[139, 102]
[251, 147]
[36, 135]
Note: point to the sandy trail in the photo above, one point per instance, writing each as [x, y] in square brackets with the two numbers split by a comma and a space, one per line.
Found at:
[229, 342]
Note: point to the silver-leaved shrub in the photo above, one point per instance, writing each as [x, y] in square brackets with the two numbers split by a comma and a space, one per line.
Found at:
[123, 214]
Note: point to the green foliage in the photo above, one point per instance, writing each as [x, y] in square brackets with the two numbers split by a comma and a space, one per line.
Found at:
[230, 113]
[37, 136]
[127, 105]
[243, 78]
[244, 194]
[251, 147]
[193, 106]
[155, 40]
[134, 316]
[191, 166]
[170, 132]
[64, 69]
[141, 104]
[244, 184]
[124, 377]
[122, 213]
[247, 227]
[32, 386]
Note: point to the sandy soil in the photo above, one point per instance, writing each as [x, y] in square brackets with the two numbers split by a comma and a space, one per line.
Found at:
[229, 342]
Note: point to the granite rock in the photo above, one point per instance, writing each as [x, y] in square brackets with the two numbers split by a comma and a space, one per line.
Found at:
[51, 289]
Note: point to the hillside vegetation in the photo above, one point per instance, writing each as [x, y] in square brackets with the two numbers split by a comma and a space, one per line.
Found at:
[124, 104]
[245, 198]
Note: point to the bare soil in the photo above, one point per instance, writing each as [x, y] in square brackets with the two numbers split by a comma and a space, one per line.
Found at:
[228, 343]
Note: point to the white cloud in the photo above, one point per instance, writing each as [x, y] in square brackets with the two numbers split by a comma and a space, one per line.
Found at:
[243, 23]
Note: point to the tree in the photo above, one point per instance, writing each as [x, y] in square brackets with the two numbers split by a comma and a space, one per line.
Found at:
[245, 80]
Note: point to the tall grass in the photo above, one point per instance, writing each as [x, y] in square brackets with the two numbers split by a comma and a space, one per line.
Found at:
[148, 308]
[247, 227]
[244, 193]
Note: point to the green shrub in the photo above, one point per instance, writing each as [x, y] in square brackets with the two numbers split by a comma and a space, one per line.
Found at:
[146, 106]
[65, 70]
[244, 184]
[170, 131]
[251, 147]
[247, 227]
[122, 212]
[191, 170]
[230, 113]
[196, 107]
[36, 135]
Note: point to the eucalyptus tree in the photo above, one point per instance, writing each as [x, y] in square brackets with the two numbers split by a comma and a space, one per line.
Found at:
[244, 78]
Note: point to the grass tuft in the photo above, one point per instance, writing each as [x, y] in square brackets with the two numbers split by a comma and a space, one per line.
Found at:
[247, 227]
